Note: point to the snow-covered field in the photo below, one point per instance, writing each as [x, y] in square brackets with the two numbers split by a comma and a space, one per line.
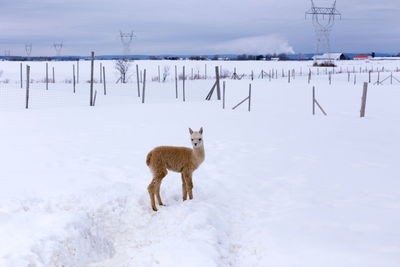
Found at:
[279, 187]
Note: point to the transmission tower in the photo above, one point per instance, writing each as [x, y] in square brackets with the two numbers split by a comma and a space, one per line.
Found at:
[7, 53]
[323, 20]
[28, 49]
[58, 47]
[126, 40]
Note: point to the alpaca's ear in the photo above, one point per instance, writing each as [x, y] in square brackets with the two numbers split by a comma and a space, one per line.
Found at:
[201, 130]
[190, 131]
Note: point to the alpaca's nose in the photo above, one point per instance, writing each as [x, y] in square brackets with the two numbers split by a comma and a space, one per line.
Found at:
[195, 144]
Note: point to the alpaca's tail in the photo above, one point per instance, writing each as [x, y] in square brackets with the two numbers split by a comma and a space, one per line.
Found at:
[148, 158]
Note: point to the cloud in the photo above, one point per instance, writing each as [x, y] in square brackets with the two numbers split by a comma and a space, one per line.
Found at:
[266, 44]
[192, 26]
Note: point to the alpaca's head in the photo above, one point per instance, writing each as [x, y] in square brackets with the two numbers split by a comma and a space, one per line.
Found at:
[196, 137]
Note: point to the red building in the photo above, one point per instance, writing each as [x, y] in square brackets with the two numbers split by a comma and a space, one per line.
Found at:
[361, 57]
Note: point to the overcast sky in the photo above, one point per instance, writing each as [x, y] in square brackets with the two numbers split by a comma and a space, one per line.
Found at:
[193, 26]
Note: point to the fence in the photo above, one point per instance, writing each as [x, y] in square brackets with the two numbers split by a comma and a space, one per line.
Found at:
[64, 89]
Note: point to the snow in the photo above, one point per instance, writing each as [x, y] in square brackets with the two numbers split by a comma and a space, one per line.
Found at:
[279, 187]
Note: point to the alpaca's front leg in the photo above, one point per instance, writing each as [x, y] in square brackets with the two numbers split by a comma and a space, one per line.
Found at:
[184, 191]
[189, 184]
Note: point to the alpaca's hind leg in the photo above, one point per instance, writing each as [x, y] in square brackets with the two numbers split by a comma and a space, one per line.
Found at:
[152, 188]
[158, 193]
[184, 191]
[189, 184]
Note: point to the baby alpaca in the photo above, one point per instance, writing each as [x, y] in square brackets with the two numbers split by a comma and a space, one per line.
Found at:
[178, 159]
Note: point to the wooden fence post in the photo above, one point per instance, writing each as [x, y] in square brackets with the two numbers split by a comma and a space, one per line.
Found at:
[144, 86]
[73, 77]
[91, 79]
[218, 83]
[94, 98]
[313, 100]
[159, 74]
[54, 79]
[249, 96]
[104, 80]
[28, 68]
[364, 100]
[234, 75]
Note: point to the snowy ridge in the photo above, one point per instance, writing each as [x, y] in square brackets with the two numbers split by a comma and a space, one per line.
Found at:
[65, 234]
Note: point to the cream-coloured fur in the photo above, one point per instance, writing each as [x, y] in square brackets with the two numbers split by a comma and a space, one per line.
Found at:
[178, 159]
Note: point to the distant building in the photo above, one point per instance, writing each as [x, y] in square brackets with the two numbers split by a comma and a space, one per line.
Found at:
[362, 57]
[329, 57]
[275, 58]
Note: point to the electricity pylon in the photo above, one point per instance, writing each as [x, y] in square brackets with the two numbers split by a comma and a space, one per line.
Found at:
[323, 20]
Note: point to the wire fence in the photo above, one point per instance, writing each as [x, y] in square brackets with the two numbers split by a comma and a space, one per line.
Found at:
[56, 89]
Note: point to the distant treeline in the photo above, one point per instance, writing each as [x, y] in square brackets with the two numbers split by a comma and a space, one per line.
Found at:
[281, 56]
[242, 57]
[22, 58]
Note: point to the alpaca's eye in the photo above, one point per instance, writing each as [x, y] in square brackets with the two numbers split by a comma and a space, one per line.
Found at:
[199, 139]
[192, 139]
